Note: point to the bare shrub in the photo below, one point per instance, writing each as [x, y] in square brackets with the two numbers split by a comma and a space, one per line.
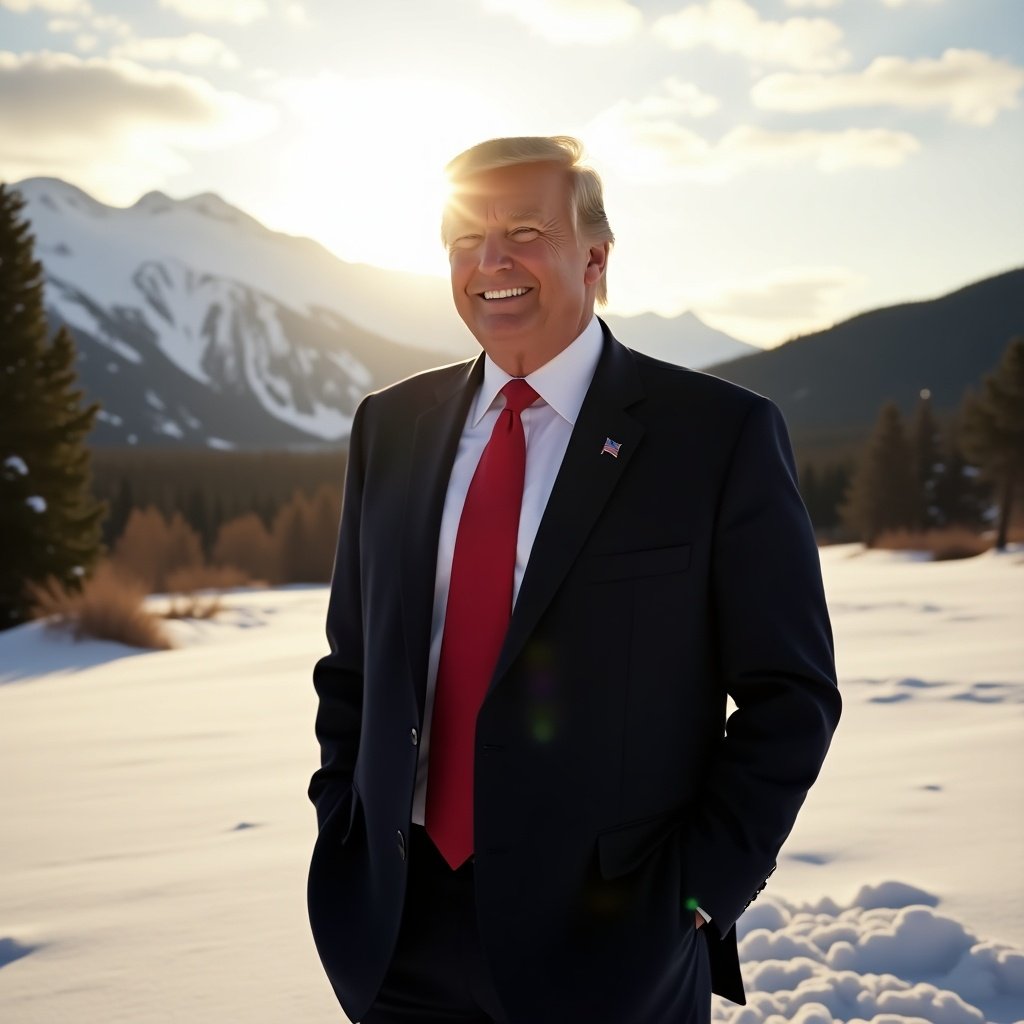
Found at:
[944, 544]
[305, 533]
[152, 547]
[245, 544]
[958, 542]
[109, 606]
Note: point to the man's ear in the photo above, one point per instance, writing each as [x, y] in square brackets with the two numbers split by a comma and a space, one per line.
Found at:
[597, 262]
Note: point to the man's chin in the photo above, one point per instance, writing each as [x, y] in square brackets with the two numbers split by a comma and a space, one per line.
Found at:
[500, 329]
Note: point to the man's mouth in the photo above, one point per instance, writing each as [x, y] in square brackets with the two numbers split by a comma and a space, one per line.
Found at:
[504, 293]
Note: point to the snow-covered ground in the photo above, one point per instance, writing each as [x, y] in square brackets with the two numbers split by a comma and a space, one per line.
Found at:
[154, 831]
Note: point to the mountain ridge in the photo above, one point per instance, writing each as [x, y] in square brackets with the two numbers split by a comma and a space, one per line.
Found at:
[828, 383]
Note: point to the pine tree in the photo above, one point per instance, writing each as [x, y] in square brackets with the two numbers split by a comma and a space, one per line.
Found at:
[925, 442]
[993, 431]
[960, 496]
[49, 519]
[883, 494]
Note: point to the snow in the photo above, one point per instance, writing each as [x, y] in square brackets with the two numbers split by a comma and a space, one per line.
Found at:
[156, 832]
[169, 427]
[16, 464]
[109, 417]
[37, 503]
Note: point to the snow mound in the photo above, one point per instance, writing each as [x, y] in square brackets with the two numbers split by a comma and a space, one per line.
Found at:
[890, 957]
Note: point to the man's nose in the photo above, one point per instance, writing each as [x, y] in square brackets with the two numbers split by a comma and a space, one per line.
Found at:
[494, 253]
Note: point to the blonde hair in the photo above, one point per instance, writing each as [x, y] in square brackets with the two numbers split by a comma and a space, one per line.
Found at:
[586, 196]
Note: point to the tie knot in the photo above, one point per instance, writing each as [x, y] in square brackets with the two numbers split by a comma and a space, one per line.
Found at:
[518, 395]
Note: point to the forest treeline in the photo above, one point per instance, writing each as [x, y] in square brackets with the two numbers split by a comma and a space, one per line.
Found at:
[208, 488]
[274, 515]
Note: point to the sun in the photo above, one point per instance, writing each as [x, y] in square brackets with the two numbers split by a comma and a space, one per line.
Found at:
[364, 173]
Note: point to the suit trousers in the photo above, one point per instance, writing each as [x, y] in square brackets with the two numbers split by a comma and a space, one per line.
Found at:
[439, 975]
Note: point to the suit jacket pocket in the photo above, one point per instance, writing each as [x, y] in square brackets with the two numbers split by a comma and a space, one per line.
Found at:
[624, 848]
[631, 564]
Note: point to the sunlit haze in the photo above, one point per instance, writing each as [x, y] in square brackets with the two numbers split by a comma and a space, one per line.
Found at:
[772, 165]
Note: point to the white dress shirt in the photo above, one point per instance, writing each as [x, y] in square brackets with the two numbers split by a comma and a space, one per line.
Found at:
[562, 384]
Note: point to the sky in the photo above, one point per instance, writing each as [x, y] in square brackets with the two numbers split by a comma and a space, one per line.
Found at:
[773, 165]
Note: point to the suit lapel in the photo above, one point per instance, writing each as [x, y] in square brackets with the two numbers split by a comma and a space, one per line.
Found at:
[435, 442]
[585, 482]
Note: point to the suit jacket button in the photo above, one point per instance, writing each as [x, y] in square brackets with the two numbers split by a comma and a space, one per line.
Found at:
[414, 737]
[401, 844]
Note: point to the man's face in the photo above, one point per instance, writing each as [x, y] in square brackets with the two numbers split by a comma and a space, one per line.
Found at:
[522, 280]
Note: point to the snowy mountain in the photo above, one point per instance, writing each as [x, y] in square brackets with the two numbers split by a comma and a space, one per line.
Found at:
[197, 325]
[683, 339]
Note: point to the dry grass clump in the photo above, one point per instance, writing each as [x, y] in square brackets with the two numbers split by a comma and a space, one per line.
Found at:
[193, 606]
[944, 544]
[109, 606]
[195, 590]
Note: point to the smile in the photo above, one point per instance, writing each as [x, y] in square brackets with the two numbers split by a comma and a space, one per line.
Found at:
[505, 293]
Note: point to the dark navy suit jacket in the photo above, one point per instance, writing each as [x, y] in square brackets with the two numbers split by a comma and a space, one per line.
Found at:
[610, 796]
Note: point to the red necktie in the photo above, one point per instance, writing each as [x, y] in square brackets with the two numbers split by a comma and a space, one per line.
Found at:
[476, 620]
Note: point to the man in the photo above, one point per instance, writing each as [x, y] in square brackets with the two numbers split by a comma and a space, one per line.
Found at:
[556, 561]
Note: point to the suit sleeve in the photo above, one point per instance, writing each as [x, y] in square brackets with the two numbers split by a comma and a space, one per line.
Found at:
[774, 645]
[338, 676]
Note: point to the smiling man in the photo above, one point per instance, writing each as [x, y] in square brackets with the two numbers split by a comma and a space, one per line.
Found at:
[556, 563]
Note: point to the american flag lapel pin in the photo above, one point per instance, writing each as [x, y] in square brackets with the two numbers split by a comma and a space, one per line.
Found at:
[611, 447]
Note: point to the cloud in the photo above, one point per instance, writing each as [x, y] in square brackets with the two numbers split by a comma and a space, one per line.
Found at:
[688, 99]
[51, 6]
[236, 12]
[194, 48]
[573, 22]
[971, 85]
[645, 142]
[110, 23]
[801, 298]
[106, 23]
[734, 26]
[818, 5]
[906, 3]
[112, 125]
[677, 99]
[295, 13]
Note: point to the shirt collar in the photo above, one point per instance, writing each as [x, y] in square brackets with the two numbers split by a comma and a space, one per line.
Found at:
[561, 382]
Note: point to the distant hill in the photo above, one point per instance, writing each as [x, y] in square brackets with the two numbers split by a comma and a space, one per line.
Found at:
[831, 384]
[685, 339]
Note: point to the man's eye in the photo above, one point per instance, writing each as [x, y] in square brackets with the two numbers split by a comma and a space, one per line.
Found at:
[464, 241]
[524, 234]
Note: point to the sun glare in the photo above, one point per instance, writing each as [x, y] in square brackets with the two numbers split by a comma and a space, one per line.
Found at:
[365, 174]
